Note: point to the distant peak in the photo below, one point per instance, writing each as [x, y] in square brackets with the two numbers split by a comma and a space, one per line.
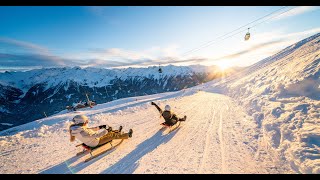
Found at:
[76, 67]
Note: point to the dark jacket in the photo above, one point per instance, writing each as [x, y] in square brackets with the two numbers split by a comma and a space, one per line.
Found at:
[169, 117]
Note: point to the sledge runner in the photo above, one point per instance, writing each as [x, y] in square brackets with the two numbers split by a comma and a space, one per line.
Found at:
[97, 136]
[169, 117]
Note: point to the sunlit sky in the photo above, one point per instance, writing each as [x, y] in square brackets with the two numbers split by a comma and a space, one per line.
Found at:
[133, 36]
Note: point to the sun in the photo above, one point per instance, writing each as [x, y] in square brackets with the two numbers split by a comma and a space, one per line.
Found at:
[223, 65]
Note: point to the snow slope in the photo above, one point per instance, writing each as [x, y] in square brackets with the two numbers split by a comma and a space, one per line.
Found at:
[282, 94]
[219, 140]
[25, 96]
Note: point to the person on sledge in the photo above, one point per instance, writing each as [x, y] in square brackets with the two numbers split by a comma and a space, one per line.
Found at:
[78, 105]
[169, 117]
[96, 136]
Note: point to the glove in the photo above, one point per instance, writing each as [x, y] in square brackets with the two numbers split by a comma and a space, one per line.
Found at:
[152, 103]
[103, 126]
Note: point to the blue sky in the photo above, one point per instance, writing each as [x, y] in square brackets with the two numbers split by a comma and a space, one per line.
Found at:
[120, 36]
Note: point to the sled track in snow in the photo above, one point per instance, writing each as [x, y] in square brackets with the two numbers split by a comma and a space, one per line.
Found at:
[209, 141]
[190, 135]
[221, 142]
[125, 166]
[209, 132]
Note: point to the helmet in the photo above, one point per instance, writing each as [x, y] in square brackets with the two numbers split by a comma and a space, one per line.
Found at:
[78, 119]
[167, 108]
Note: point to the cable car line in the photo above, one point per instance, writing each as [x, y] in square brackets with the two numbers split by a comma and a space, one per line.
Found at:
[211, 42]
[233, 31]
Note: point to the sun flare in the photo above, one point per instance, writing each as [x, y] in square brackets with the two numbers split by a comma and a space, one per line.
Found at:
[223, 65]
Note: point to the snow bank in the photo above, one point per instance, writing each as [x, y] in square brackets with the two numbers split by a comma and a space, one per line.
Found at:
[282, 94]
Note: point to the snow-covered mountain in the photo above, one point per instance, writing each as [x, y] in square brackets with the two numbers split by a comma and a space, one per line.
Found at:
[30, 95]
[264, 119]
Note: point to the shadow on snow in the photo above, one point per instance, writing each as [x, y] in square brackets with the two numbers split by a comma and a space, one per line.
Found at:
[129, 163]
[126, 165]
[66, 167]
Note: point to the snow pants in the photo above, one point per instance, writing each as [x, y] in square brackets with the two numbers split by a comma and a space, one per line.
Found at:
[173, 121]
[112, 135]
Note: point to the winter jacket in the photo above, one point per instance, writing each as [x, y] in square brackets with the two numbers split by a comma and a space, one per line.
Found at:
[87, 136]
[169, 117]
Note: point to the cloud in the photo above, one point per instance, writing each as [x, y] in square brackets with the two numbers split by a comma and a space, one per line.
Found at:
[116, 53]
[169, 60]
[171, 50]
[25, 46]
[302, 34]
[115, 57]
[26, 68]
[138, 62]
[151, 53]
[15, 53]
[20, 54]
[252, 48]
[26, 60]
[259, 47]
[297, 11]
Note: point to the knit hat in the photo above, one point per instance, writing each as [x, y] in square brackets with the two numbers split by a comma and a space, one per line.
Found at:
[78, 119]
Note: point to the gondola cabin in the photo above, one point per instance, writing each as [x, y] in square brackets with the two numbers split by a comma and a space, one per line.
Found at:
[160, 70]
[247, 36]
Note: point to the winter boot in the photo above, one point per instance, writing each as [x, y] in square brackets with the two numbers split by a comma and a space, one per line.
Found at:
[183, 119]
[130, 133]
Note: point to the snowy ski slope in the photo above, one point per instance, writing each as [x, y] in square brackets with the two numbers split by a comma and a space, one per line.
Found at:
[217, 140]
[264, 120]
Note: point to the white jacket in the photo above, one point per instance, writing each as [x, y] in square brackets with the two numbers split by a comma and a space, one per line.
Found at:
[87, 136]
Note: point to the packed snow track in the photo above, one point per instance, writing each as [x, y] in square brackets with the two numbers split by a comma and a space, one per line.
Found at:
[216, 138]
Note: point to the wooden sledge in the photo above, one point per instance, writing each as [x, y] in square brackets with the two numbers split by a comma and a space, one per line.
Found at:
[96, 151]
[171, 128]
